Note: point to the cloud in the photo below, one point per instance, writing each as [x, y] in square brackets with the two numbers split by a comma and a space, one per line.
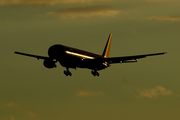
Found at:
[155, 92]
[45, 2]
[22, 109]
[84, 92]
[9, 118]
[12, 118]
[164, 18]
[86, 12]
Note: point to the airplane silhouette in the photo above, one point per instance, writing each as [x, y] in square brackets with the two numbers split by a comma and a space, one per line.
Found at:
[74, 58]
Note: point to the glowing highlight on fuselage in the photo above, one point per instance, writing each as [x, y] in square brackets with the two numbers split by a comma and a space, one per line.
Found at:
[79, 55]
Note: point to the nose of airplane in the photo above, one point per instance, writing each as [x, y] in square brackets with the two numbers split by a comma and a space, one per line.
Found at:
[55, 51]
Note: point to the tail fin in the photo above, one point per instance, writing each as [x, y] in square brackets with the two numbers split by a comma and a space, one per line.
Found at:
[107, 47]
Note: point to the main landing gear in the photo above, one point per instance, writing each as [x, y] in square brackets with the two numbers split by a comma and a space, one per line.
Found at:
[67, 72]
[95, 73]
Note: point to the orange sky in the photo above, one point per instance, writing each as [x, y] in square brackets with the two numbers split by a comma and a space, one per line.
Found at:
[145, 90]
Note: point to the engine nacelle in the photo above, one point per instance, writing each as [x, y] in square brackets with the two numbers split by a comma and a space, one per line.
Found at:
[48, 63]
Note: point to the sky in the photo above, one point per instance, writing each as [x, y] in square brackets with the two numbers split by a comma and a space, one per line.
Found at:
[146, 90]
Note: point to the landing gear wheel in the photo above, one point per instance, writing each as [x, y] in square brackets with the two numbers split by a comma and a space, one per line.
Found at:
[95, 73]
[70, 73]
[67, 72]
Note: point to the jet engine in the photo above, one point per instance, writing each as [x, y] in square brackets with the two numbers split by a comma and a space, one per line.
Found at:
[48, 63]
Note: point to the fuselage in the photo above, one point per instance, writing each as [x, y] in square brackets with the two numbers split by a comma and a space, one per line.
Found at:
[72, 58]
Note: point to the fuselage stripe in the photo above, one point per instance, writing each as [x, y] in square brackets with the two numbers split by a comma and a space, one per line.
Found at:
[79, 55]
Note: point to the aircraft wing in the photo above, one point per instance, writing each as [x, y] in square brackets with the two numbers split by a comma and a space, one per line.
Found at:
[30, 55]
[125, 59]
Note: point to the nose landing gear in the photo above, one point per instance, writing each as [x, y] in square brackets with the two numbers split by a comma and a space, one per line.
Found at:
[95, 73]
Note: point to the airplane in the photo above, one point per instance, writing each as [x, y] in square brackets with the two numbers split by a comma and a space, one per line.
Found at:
[74, 58]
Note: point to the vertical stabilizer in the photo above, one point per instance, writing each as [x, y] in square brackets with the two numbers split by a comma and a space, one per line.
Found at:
[107, 47]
